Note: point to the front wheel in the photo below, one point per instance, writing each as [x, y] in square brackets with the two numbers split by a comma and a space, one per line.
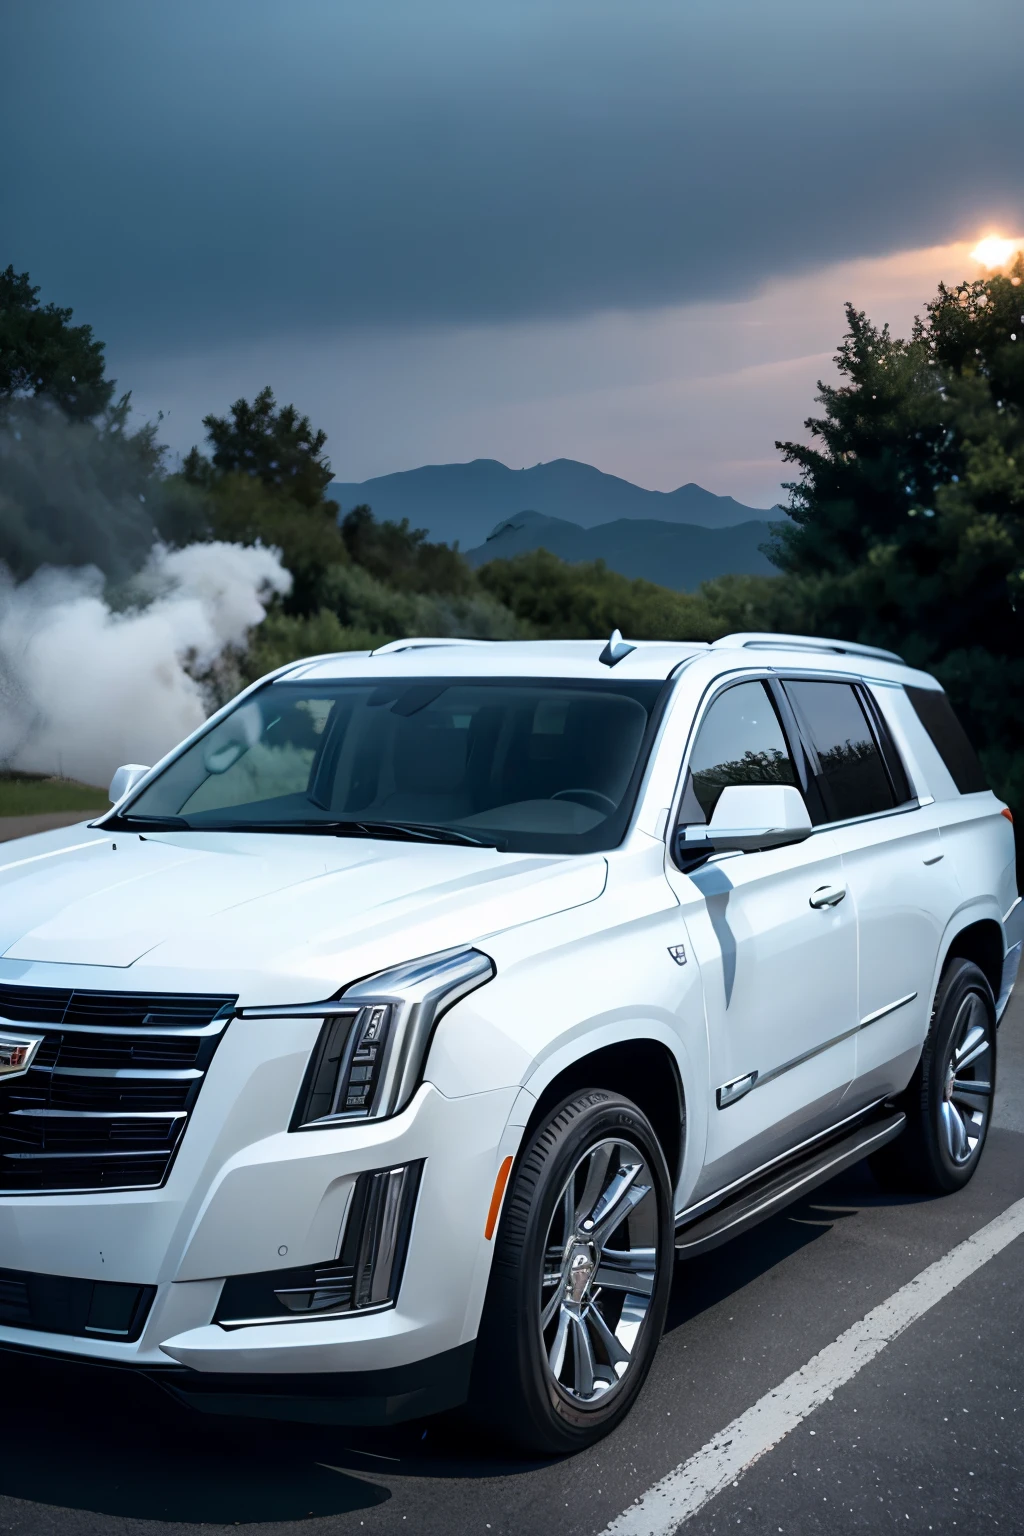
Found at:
[949, 1101]
[580, 1280]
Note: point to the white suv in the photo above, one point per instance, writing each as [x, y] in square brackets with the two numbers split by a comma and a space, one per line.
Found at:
[386, 1043]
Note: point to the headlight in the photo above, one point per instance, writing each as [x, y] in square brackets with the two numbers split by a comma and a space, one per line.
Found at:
[370, 1054]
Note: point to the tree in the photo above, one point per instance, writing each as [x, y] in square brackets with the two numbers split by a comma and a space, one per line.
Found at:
[908, 512]
[401, 555]
[264, 482]
[43, 354]
[274, 445]
[75, 492]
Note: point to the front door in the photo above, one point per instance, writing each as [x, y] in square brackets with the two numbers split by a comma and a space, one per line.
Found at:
[775, 938]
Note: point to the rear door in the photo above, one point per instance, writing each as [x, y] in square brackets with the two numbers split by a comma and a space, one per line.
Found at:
[901, 887]
[779, 975]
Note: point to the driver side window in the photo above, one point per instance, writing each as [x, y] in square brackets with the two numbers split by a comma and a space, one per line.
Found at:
[740, 741]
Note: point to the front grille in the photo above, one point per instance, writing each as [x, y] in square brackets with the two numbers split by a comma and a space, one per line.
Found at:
[106, 1100]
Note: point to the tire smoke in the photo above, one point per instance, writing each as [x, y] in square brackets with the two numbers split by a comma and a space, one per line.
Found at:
[85, 687]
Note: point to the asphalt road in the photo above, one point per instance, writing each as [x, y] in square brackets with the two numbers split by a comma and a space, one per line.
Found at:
[926, 1437]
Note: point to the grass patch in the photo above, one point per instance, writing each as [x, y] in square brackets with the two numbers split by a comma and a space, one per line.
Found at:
[32, 794]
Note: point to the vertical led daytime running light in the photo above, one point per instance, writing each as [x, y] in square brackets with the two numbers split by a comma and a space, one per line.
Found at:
[360, 1076]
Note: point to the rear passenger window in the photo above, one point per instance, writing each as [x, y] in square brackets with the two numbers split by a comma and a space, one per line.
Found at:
[949, 738]
[851, 775]
[740, 741]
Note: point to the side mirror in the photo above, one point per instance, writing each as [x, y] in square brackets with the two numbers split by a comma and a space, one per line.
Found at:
[125, 779]
[750, 817]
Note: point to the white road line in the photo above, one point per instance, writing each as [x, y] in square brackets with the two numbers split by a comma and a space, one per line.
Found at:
[691, 1485]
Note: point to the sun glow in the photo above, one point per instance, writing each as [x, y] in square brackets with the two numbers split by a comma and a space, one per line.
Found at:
[994, 251]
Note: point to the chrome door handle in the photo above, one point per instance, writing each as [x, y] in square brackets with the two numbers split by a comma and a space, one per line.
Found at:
[827, 895]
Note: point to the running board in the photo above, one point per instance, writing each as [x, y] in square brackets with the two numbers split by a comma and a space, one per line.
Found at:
[759, 1201]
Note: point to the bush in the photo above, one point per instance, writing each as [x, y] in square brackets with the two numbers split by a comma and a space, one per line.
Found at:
[587, 601]
[361, 600]
[284, 637]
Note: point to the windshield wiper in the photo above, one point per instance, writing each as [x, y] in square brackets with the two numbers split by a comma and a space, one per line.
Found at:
[427, 832]
[413, 831]
[123, 822]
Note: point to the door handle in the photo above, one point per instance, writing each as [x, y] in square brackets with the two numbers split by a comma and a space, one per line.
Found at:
[827, 895]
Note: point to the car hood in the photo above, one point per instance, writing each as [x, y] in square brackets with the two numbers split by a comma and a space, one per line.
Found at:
[239, 903]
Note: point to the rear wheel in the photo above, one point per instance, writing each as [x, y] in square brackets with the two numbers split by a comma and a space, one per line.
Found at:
[949, 1100]
[580, 1280]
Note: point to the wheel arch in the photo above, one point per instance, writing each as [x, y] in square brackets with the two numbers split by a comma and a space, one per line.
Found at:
[642, 1069]
[982, 942]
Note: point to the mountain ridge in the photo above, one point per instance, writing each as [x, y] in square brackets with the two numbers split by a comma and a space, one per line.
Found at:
[461, 503]
[677, 555]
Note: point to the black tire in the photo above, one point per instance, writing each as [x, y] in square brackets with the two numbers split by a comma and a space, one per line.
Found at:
[541, 1259]
[947, 1122]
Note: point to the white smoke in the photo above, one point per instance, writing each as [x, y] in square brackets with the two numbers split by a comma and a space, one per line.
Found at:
[84, 688]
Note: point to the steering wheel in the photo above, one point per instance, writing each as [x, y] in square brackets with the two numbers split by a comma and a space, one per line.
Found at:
[591, 794]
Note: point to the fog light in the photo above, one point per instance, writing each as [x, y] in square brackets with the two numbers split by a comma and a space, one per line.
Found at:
[365, 1276]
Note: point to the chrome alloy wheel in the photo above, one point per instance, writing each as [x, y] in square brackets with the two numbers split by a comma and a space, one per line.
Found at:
[967, 1089]
[600, 1266]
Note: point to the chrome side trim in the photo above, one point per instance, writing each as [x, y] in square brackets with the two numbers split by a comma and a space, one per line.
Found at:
[816, 1050]
[880, 1013]
[689, 1212]
[731, 1093]
[798, 1061]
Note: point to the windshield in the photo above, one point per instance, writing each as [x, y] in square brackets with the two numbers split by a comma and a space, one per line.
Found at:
[525, 764]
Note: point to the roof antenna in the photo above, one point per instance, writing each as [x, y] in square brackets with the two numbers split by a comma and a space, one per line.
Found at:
[616, 649]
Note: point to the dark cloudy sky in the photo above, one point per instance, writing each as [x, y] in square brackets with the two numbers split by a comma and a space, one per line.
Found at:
[450, 228]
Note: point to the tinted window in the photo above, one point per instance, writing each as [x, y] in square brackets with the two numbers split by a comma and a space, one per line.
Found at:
[850, 772]
[935, 713]
[890, 756]
[540, 765]
[740, 741]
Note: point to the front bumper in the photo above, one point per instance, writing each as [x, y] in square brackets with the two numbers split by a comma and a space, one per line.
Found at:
[388, 1396]
[382, 1397]
[275, 1201]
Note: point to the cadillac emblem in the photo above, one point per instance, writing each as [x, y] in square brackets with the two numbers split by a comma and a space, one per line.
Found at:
[17, 1053]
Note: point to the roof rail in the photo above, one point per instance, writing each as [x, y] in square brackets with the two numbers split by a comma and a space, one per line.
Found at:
[420, 643]
[307, 661]
[756, 641]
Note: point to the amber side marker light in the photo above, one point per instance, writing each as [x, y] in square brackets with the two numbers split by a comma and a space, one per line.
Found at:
[1007, 813]
[499, 1190]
